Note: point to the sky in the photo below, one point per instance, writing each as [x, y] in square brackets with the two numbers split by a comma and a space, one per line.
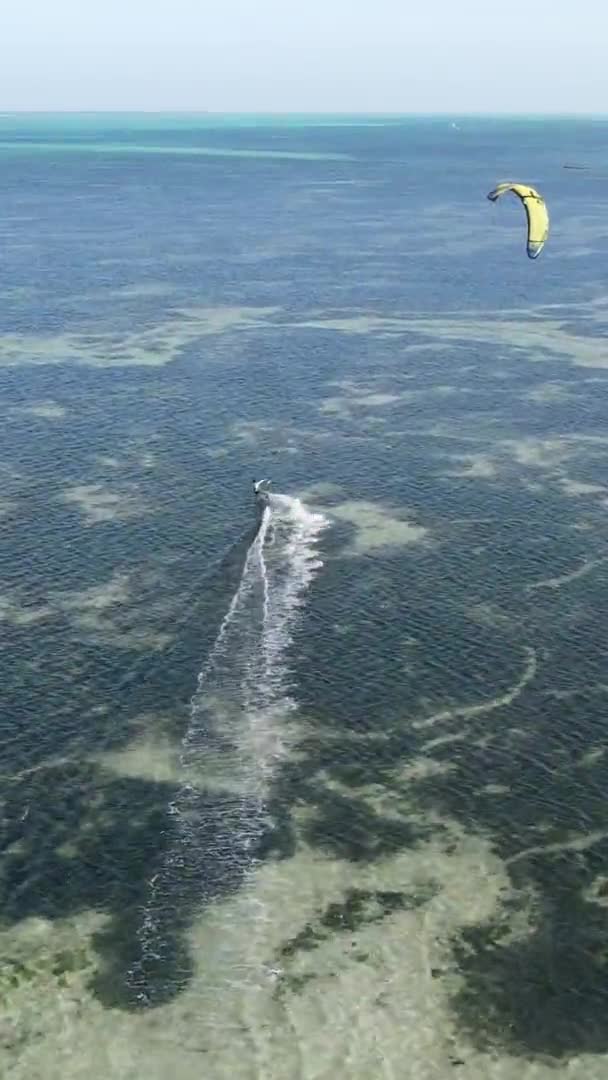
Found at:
[404, 56]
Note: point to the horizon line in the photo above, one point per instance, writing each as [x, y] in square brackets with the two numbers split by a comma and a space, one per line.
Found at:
[197, 111]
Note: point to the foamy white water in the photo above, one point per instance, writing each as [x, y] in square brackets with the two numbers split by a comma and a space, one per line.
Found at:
[235, 737]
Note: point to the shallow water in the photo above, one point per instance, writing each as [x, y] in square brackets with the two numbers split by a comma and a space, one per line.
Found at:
[319, 793]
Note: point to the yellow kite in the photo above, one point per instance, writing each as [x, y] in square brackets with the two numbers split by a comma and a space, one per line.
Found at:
[536, 212]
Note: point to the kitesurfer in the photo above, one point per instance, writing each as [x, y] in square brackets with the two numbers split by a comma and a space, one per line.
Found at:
[260, 493]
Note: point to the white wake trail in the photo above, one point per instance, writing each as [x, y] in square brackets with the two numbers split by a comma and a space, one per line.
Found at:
[235, 738]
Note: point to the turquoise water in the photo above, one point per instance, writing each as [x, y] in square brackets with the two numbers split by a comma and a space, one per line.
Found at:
[320, 792]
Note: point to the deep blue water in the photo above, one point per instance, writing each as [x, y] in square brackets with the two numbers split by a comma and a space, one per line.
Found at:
[184, 319]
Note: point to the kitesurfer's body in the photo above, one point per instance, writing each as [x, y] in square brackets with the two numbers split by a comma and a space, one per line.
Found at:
[260, 494]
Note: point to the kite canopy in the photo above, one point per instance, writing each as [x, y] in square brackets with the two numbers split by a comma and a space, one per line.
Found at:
[536, 213]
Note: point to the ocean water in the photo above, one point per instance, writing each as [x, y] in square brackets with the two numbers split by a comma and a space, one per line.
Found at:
[318, 792]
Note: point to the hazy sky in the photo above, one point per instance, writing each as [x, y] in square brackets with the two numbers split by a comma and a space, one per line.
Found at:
[309, 55]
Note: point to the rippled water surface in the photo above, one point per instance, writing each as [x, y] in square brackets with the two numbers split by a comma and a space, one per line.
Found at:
[318, 791]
